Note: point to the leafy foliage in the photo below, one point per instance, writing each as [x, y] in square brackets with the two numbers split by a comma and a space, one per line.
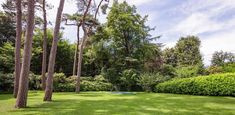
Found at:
[64, 58]
[6, 83]
[187, 71]
[129, 78]
[214, 69]
[221, 58]
[148, 80]
[122, 46]
[7, 29]
[216, 85]
[187, 50]
[7, 58]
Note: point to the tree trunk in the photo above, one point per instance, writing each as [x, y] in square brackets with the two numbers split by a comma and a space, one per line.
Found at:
[76, 51]
[21, 100]
[75, 60]
[49, 81]
[80, 55]
[44, 60]
[17, 46]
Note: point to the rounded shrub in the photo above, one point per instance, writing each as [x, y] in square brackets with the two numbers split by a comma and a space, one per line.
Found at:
[6, 83]
[95, 86]
[214, 85]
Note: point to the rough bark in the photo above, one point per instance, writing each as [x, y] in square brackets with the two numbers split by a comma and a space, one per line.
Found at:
[44, 60]
[17, 46]
[21, 100]
[80, 54]
[49, 81]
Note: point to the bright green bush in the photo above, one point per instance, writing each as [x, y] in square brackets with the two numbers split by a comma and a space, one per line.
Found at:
[215, 85]
[187, 71]
[95, 86]
[229, 67]
[98, 83]
[86, 78]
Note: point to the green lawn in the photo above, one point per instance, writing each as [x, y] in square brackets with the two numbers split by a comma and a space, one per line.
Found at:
[106, 103]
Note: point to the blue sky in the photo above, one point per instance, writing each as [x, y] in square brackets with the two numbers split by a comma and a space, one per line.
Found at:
[213, 21]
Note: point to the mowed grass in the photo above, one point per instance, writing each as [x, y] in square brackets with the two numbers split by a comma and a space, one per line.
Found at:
[106, 103]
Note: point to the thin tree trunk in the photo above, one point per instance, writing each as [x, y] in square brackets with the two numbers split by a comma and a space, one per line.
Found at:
[76, 52]
[49, 81]
[80, 55]
[17, 46]
[75, 60]
[21, 100]
[44, 60]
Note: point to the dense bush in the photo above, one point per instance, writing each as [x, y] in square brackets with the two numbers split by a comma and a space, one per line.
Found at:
[34, 81]
[6, 82]
[216, 85]
[99, 83]
[168, 70]
[95, 86]
[148, 80]
[128, 78]
[229, 67]
[187, 71]
[226, 68]
[214, 70]
[63, 84]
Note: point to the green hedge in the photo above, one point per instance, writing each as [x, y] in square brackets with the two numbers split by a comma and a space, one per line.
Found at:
[214, 85]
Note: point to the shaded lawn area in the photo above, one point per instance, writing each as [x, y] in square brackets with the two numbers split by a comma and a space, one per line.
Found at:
[106, 103]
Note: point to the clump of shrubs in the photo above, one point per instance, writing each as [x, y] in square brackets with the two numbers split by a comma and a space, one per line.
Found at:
[148, 80]
[6, 83]
[187, 71]
[64, 84]
[214, 85]
[214, 70]
[61, 83]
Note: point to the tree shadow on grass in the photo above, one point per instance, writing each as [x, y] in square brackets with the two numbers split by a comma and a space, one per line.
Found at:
[5, 96]
[139, 104]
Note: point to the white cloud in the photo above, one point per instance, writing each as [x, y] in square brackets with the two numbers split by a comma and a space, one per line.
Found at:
[137, 2]
[200, 17]
[196, 23]
[220, 41]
